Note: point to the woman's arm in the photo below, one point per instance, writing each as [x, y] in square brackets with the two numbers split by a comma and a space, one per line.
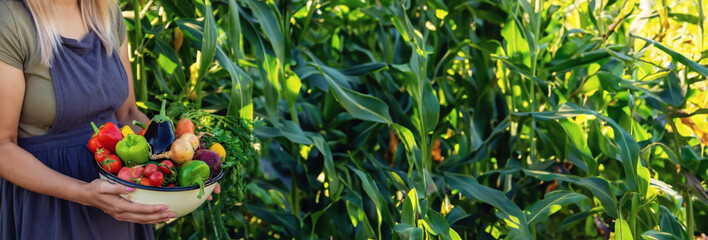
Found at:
[23, 169]
[129, 111]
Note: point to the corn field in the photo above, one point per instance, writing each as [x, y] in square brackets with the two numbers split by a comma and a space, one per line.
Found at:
[455, 119]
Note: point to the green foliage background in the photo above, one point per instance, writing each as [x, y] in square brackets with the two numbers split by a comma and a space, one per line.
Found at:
[454, 119]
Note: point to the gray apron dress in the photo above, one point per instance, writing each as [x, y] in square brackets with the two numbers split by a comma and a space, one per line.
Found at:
[89, 86]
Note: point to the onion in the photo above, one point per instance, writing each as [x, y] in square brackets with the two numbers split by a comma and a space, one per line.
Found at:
[180, 152]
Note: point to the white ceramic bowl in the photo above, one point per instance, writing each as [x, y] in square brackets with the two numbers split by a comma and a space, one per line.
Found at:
[180, 200]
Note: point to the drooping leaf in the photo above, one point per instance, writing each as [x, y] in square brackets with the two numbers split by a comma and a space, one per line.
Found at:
[407, 231]
[628, 147]
[513, 216]
[288, 221]
[657, 235]
[331, 173]
[599, 187]
[364, 107]
[554, 201]
[700, 69]
[670, 224]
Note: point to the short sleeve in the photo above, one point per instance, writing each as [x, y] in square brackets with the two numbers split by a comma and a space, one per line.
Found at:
[11, 50]
[119, 25]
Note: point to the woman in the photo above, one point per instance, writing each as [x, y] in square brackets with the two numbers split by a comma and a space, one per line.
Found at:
[63, 64]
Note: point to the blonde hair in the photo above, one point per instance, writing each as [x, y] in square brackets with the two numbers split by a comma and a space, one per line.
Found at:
[95, 13]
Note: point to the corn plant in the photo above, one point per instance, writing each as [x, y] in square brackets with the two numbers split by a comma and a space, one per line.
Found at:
[455, 119]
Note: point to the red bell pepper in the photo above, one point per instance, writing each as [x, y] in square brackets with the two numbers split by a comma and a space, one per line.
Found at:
[109, 135]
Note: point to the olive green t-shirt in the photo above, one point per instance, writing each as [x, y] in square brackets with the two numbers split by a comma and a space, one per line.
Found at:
[18, 48]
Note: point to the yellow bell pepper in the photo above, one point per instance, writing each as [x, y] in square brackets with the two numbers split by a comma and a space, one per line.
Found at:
[126, 130]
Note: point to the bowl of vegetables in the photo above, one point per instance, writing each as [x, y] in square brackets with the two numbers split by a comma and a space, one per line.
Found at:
[180, 200]
[164, 165]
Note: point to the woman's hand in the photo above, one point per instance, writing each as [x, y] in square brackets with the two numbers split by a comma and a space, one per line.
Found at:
[217, 190]
[105, 196]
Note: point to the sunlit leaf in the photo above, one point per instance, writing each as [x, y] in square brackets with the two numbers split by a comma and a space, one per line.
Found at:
[553, 202]
[622, 231]
[471, 189]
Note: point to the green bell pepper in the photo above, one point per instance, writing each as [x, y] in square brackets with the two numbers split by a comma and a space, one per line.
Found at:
[133, 150]
[193, 172]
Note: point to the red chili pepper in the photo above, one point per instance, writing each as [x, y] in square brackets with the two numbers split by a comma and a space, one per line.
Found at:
[109, 135]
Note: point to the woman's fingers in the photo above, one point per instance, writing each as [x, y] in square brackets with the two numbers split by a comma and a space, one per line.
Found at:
[143, 214]
[139, 213]
[217, 190]
[107, 196]
[104, 187]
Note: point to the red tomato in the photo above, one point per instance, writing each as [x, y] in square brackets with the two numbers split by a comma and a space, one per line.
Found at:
[136, 173]
[111, 164]
[150, 169]
[94, 144]
[124, 173]
[170, 185]
[101, 154]
[156, 179]
[167, 167]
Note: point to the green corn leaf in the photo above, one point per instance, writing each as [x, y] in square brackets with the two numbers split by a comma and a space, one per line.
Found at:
[292, 88]
[670, 224]
[582, 59]
[574, 219]
[599, 187]
[517, 48]
[373, 192]
[169, 62]
[673, 93]
[355, 210]
[622, 231]
[407, 231]
[413, 153]
[288, 221]
[209, 41]
[235, 30]
[363, 69]
[331, 173]
[513, 216]
[241, 83]
[411, 208]
[657, 235]
[700, 69]
[553, 202]
[360, 106]
[269, 24]
[628, 147]
[438, 226]
[161, 81]
[577, 136]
